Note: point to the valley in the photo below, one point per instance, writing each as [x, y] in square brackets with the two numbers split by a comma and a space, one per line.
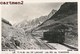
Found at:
[56, 31]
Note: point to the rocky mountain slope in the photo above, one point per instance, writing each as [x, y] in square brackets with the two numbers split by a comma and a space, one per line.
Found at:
[27, 25]
[25, 34]
[65, 10]
[67, 16]
[11, 36]
[15, 38]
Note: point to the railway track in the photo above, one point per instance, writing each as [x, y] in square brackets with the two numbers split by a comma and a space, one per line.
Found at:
[46, 45]
[67, 47]
[43, 45]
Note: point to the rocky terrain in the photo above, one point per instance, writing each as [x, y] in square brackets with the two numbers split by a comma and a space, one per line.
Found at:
[28, 25]
[66, 15]
[30, 34]
[16, 38]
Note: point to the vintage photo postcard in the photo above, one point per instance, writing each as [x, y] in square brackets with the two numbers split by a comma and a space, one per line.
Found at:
[39, 27]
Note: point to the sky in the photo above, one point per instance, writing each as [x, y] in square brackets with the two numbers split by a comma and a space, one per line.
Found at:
[28, 11]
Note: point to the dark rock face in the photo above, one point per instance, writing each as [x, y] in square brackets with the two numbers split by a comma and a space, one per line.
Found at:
[56, 35]
[5, 21]
[65, 10]
[17, 43]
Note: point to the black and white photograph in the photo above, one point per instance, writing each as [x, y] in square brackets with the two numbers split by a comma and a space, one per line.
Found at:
[39, 26]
